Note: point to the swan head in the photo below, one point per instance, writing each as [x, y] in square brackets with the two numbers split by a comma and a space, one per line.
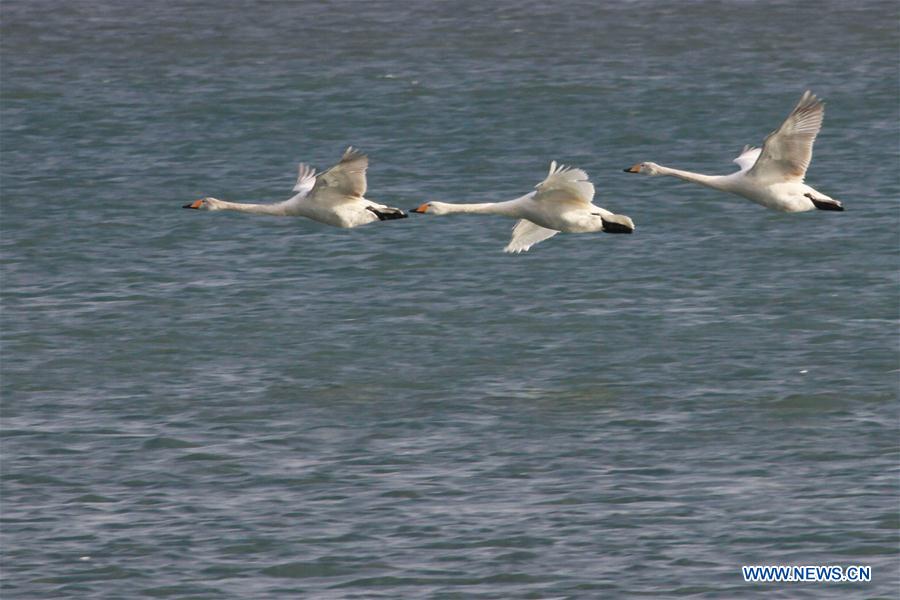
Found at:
[208, 203]
[647, 168]
[432, 208]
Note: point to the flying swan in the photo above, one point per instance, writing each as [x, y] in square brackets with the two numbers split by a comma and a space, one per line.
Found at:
[771, 176]
[561, 202]
[334, 197]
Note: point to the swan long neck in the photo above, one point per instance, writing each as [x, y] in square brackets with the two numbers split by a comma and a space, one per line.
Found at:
[276, 209]
[505, 209]
[713, 181]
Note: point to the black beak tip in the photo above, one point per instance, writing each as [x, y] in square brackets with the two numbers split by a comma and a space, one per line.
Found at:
[187, 206]
[628, 170]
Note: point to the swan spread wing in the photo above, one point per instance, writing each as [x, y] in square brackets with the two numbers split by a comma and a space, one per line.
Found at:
[345, 180]
[787, 151]
[565, 184]
[747, 158]
[526, 234]
[306, 180]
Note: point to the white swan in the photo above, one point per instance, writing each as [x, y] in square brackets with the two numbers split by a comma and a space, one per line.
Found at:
[772, 176]
[334, 197]
[561, 202]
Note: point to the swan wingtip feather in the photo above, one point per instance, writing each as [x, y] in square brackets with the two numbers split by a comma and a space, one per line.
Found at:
[352, 153]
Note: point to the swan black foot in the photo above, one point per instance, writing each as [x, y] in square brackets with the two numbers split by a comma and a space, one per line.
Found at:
[617, 224]
[823, 204]
[387, 213]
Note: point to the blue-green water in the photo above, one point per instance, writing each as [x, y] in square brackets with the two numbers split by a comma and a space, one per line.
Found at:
[202, 405]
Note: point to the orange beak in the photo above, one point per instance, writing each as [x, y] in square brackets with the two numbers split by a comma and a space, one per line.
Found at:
[635, 169]
[421, 209]
[194, 204]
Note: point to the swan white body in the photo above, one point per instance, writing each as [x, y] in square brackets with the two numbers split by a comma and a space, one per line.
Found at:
[773, 175]
[335, 197]
[561, 202]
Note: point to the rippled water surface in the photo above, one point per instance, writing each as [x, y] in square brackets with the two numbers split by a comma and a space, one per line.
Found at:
[217, 405]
